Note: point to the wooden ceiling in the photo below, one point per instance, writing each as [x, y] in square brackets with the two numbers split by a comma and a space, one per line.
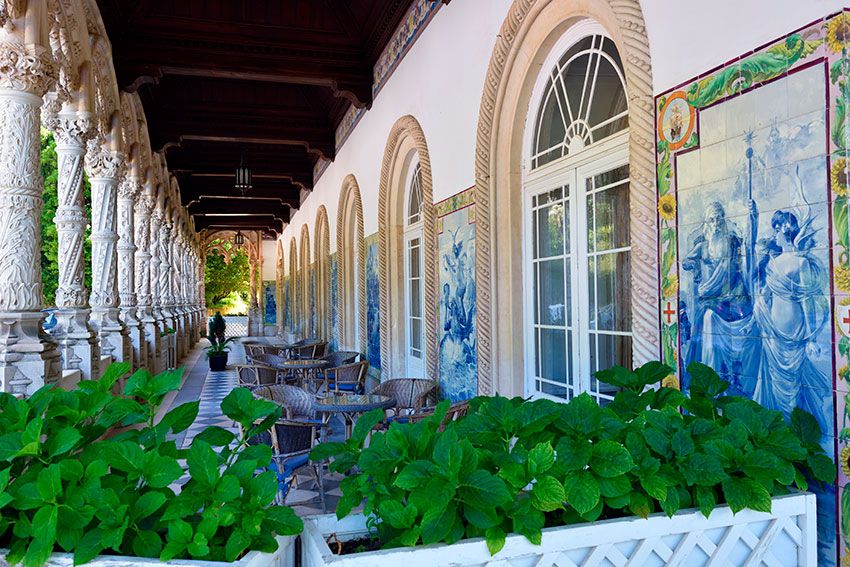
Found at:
[268, 78]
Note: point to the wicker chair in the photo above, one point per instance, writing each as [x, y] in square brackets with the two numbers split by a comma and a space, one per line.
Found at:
[409, 394]
[313, 349]
[255, 375]
[291, 442]
[252, 350]
[340, 358]
[455, 412]
[348, 378]
[296, 403]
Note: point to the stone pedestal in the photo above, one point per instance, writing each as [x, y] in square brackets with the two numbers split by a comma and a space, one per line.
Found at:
[77, 342]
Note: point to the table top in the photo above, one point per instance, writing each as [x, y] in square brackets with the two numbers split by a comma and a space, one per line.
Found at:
[352, 403]
[304, 363]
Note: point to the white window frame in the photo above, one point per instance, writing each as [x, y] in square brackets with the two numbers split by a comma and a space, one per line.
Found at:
[414, 367]
[572, 169]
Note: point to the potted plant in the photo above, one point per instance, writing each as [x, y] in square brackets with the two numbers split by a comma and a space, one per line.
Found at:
[88, 472]
[217, 351]
[537, 479]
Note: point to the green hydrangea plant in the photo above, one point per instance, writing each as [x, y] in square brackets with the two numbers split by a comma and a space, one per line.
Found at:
[89, 471]
[520, 466]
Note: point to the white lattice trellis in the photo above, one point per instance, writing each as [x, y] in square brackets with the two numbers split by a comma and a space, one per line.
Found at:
[786, 536]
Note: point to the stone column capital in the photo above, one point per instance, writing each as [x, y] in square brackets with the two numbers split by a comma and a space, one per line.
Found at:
[70, 129]
[102, 163]
[130, 188]
[27, 68]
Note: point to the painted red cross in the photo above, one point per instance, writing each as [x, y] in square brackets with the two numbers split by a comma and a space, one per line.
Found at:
[846, 320]
[670, 312]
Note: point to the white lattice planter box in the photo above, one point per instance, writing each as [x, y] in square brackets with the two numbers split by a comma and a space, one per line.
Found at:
[786, 536]
[283, 557]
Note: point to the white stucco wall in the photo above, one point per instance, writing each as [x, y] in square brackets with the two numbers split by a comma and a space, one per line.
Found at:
[440, 82]
[269, 260]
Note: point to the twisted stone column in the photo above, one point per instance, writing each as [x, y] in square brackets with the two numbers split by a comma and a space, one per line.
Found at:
[156, 296]
[253, 327]
[177, 290]
[77, 342]
[128, 191]
[105, 169]
[142, 221]
[165, 266]
[28, 359]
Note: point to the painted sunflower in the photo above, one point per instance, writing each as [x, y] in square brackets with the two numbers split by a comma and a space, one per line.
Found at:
[667, 207]
[842, 277]
[845, 460]
[672, 381]
[845, 558]
[843, 373]
[672, 287]
[839, 176]
[838, 33]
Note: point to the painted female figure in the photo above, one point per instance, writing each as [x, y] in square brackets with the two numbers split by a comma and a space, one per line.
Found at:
[791, 310]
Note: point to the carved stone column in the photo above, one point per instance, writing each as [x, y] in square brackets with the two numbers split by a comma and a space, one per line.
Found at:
[128, 192]
[104, 169]
[176, 288]
[142, 221]
[252, 299]
[28, 358]
[77, 342]
[156, 296]
[165, 291]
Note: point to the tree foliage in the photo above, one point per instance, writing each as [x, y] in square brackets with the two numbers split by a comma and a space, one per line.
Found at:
[222, 278]
[49, 238]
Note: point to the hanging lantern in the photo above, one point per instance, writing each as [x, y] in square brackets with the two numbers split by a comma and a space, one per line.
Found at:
[243, 176]
[239, 239]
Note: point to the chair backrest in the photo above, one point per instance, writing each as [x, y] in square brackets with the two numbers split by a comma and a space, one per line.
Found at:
[314, 349]
[340, 358]
[272, 360]
[408, 393]
[294, 400]
[287, 436]
[354, 373]
[320, 349]
[456, 411]
[247, 375]
[253, 350]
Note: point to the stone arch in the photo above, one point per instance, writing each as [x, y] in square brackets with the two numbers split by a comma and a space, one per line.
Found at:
[107, 108]
[70, 45]
[321, 257]
[294, 300]
[304, 272]
[406, 137]
[349, 220]
[528, 32]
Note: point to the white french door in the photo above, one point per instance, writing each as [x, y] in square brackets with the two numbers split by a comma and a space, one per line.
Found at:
[577, 271]
[413, 307]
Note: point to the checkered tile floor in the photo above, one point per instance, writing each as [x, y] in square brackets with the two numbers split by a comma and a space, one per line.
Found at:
[304, 495]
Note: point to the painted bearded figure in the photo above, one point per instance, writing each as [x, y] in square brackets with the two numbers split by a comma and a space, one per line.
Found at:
[721, 305]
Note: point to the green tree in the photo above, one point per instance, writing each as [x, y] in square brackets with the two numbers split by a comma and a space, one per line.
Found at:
[222, 279]
[49, 238]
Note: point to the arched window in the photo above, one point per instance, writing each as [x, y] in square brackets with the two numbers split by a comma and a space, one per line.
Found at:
[351, 272]
[413, 241]
[576, 219]
[321, 275]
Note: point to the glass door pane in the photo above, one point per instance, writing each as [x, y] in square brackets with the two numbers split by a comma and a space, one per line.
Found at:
[552, 313]
[608, 275]
[414, 329]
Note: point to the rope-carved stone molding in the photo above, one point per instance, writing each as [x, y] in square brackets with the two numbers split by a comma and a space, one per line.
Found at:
[407, 126]
[293, 286]
[624, 20]
[304, 282]
[349, 196]
[322, 256]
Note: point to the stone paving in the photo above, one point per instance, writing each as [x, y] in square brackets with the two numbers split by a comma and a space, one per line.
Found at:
[211, 388]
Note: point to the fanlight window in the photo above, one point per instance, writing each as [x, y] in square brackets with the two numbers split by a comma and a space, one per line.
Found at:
[584, 101]
[414, 201]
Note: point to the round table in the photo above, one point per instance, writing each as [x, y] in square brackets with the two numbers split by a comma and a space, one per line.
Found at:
[305, 369]
[348, 406]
